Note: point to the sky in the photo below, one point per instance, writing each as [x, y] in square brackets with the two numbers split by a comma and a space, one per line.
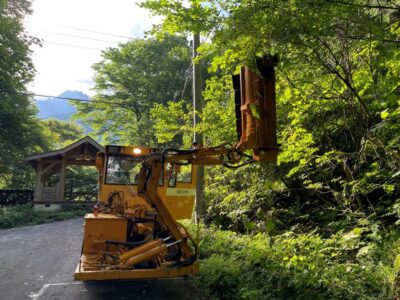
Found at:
[73, 33]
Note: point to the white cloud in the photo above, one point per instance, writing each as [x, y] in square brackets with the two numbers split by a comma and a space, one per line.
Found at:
[70, 47]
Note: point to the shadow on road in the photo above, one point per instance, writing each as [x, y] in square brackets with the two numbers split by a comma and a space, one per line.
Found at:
[141, 289]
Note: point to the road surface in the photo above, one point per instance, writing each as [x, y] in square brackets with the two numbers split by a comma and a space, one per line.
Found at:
[38, 262]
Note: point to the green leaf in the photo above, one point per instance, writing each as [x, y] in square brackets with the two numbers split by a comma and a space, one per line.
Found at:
[255, 110]
[249, 225]
[396, 264]
[384, 114]
[270, 226]
[389, 188]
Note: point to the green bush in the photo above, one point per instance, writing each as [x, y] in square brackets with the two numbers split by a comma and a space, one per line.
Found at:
[347, 265]
[22, 215]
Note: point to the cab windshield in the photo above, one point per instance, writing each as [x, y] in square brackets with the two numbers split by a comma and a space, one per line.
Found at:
[123, 169]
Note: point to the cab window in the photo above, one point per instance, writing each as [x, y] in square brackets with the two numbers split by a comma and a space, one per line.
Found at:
[122, 170]
[179, 174]
[125, 170]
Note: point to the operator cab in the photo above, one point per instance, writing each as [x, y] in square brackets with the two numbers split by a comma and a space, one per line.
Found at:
[119, 169]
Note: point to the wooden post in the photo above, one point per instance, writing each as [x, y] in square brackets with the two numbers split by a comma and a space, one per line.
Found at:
[62, 179]
[38, 189]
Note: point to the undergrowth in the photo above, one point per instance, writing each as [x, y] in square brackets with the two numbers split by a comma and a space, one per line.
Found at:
[22, 215]
[358, 264]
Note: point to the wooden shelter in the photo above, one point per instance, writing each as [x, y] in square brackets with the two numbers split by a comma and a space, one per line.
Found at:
[50, 168]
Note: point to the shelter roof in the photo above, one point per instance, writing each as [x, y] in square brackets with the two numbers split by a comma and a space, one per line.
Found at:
[81, 152]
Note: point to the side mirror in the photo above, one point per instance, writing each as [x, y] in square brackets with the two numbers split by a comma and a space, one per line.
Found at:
[99, 161]
[177, 168]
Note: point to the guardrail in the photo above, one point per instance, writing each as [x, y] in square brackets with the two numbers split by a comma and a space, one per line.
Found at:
[15, 197]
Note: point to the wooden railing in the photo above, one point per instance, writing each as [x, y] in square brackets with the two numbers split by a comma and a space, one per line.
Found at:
[15, 197]
[49, 194]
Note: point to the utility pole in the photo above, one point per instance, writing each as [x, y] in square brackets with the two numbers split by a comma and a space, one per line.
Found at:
[198, 137]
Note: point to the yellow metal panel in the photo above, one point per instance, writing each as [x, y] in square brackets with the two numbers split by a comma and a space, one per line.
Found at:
[101, 228]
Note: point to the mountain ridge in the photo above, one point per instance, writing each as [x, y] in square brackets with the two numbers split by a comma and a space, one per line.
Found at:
[57, 108]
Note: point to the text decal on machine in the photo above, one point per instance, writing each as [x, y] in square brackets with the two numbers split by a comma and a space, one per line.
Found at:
[180, 192]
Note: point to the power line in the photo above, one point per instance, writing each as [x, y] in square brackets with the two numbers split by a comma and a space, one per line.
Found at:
[83, 37]
[45, 96]
[73, 46]
[98, 32]
[188, 72]
[187, 77]
[124, 105]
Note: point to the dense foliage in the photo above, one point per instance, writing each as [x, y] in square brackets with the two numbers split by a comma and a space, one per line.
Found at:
[338, 96]
[347, 265]
[338, 171]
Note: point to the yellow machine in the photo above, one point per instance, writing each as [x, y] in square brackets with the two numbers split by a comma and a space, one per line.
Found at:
[133, 232]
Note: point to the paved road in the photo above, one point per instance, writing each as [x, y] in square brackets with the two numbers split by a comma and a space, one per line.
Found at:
[38, 262]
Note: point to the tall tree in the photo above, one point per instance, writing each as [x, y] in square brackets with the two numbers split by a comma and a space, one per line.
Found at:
[19, 132]
[130, 81]
[60, 133]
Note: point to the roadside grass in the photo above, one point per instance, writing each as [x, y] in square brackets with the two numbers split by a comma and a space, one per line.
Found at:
[23, 215]
[357, 264]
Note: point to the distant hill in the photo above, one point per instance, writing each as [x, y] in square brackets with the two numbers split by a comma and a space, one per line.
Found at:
[59, 108]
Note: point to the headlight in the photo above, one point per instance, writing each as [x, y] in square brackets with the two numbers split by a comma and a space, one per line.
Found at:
[137, 151]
